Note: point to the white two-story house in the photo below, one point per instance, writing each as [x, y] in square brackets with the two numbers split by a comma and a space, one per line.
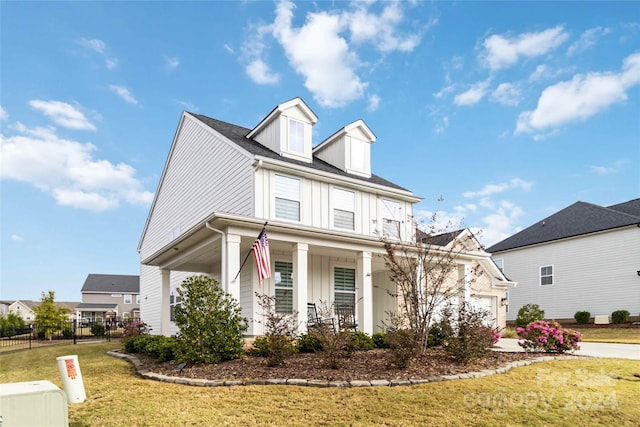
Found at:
[325, 212]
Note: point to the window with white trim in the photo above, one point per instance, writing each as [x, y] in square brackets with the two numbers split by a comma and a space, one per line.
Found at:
[391, 219]
[344, 209]
[499, 263]
[546, 275]
[283, 275]
[344, 286]
[174, 301]
[125, 315]
[287, 197]
[137, 299]
[128, 299]
[296, 136]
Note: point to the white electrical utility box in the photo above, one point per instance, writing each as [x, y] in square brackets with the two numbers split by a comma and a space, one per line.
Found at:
[33, 403]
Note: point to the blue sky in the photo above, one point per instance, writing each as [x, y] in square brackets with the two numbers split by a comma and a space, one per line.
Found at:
[507, 111]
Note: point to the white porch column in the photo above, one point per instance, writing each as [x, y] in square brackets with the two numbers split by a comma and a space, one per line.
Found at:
[232, 286]
[364, 293]
[300, 276]
[165, 301]
[464, 273]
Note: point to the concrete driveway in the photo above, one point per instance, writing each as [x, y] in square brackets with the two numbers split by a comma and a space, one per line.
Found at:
[592, 349]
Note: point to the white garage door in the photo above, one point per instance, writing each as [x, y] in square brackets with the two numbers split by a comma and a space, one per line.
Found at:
[486, 303]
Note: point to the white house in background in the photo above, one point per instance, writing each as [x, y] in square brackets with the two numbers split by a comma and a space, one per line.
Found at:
[325, 210]
[26, 309]
[583, 258]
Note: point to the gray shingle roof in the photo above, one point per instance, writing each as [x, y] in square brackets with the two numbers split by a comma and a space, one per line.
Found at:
[237, 134]
[578, 219]
[112, 283]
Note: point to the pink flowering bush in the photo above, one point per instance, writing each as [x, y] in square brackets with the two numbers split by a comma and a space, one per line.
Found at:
[492, 332]
[549, 337]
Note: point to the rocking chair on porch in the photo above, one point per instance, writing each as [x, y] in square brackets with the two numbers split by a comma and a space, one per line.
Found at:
[346, 317]
[315, 321]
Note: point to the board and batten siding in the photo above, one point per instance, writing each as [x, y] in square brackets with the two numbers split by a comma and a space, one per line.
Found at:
[595, 273]
[316, 204]
[204, 174]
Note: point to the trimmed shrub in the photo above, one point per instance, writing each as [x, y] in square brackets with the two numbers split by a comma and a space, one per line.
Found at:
[211, 326]
[548, 337]
[278, 342]
[98, 329]
[379, 340]
[67, 333]
[620, 316]
[468, 338]
[159, 347]
[582, 317]
[361, 341]
[436, 335]
[402, 343]
[307, 343]
[529, 313]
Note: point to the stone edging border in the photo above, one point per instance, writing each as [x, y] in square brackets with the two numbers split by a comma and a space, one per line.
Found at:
[321, 383]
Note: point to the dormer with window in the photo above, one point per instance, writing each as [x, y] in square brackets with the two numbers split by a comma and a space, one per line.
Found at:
[349, 149]
[287, 130]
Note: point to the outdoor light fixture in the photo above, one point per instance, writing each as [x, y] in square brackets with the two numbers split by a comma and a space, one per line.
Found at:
[503, 301]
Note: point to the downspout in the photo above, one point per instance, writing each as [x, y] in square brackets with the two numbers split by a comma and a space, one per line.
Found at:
[223, 256]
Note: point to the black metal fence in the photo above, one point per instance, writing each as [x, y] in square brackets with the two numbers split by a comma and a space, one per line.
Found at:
[66, 332]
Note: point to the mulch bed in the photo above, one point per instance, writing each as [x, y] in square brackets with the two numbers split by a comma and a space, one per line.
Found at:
[361, 365]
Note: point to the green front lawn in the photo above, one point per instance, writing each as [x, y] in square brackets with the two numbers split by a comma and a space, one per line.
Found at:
[572, 392]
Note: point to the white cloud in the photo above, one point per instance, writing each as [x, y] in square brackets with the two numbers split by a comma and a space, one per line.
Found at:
[188, 105]
[93, 44]
[68, 171]
[444, 91]
[171, 62]
[318, 52]
[503, 51]
[507, 94]
[123, 93]
[4, 116]
[380, 29]
[491, 189]
[588, 39]
[473, 95]
[501, 223]
[228, 48]
[443, 125]
[16, 238]
[374, 103]
[63, 114]
[580, 98]
[111, 63]
[323, 49]
[608, 170]
[259, 72]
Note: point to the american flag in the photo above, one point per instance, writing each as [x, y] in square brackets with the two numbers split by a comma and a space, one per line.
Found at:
[261, 254]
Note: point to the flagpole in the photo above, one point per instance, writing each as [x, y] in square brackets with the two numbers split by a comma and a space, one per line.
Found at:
[249, 253]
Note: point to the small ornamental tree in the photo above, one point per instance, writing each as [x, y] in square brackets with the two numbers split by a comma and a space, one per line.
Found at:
[49, 317]
[211, 327]
[425, 271]
[280, 330]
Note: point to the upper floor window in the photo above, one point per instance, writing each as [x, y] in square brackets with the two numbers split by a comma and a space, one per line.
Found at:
[128, 299]
[287, 198]
[546, 275]
[284, 286]
[296, 136]
[137, 299]
[499, 263]
[343, 209]
[391, 219]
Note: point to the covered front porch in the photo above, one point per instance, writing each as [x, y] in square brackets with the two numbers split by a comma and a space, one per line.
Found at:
[308, 266]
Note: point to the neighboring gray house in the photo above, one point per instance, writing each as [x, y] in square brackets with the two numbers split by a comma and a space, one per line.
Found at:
[110, 295]
[326, 212]
[583, 258]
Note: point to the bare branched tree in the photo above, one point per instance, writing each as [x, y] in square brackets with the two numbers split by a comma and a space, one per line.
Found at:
[426, 271]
